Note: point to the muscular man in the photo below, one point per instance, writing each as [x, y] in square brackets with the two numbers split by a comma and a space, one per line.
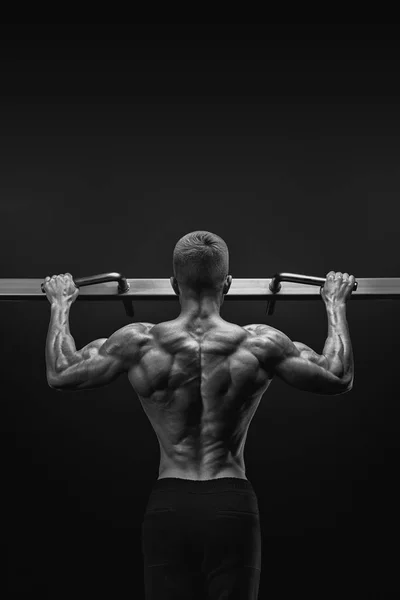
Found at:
[200, 380]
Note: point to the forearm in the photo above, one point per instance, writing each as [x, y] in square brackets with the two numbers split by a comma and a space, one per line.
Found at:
[338, 350]
[60, 345]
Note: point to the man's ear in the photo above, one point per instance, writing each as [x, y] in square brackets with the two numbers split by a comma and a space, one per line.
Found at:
[175, 285]
[227, 284]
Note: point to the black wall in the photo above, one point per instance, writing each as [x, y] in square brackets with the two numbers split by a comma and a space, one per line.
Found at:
[115, 142]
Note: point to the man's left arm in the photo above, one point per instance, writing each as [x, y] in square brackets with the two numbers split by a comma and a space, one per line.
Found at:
[98, 363]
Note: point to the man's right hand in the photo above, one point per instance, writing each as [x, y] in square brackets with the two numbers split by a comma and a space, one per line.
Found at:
[338, 287]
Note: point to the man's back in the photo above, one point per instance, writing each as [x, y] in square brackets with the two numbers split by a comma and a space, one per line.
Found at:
[200, 384]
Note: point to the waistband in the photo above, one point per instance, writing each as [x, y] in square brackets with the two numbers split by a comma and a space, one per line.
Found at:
[207, 486]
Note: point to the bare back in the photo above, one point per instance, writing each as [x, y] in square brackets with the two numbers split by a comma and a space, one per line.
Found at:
[200, 387]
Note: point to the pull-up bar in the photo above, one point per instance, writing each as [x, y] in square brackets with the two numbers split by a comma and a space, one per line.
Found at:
[282, 286]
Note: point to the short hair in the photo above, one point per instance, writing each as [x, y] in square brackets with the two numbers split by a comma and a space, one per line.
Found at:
[201, 261]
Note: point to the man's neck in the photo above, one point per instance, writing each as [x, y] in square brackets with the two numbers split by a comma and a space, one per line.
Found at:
[200, 307]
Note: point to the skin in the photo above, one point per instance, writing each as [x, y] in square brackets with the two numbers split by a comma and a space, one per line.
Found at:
[200, 378]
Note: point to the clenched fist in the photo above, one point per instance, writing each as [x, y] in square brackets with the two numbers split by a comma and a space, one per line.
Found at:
[338, 287]
[60, 289]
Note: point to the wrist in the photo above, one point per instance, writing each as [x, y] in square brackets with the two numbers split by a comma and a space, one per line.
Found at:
[335, 311]
[333, 304]
[56, 304]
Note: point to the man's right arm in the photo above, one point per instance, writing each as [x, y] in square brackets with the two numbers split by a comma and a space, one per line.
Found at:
[298, 365]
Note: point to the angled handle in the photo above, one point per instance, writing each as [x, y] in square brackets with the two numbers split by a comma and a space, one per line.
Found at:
[275, 285]
[123, 286]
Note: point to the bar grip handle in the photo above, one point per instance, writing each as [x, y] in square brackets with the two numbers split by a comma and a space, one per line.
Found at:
[275, 285]
[295, 278]
[123, 285]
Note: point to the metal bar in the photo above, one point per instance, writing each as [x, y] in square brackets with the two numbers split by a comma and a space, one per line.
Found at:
[123, 285]
[241, 289]
[275, 285]
[296, 278]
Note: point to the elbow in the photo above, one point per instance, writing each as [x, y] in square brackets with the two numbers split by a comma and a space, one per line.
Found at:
[347, 387]
[55, 387]
[60, 386]
[53, 383]
[345, 391]
[336, 389]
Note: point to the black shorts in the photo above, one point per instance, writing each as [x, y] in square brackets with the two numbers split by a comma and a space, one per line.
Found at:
[202, 539]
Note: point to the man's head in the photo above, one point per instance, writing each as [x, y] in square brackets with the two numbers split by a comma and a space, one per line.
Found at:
[201, 264]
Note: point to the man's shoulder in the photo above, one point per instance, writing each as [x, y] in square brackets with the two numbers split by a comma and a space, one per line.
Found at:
[267, 337]
[255, 330]
[142, 327]
[266, 342]
[134, 332]
[262, 330]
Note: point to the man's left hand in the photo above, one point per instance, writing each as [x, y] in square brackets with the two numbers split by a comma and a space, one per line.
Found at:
[61, 289]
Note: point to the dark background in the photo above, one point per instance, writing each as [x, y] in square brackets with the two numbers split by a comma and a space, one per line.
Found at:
[116, 141]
